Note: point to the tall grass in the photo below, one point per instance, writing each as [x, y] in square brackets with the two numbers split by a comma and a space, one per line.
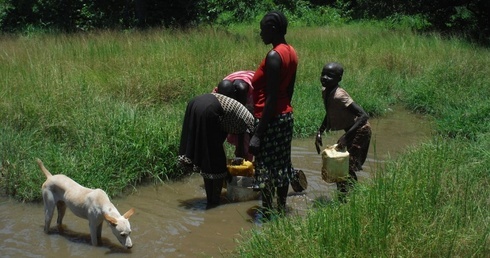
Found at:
[432, 202]
[106, 108]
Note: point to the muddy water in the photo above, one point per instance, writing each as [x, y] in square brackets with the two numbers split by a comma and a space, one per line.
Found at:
[171, 219]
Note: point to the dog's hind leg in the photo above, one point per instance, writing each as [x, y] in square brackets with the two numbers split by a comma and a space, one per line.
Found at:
[61, 213]
[48, 209]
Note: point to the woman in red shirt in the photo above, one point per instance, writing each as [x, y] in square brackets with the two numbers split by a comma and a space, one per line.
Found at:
[273, 84]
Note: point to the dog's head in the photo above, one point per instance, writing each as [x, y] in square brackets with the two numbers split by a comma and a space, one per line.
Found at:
[120, 227]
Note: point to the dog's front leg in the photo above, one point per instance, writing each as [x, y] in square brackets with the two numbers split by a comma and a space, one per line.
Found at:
[99, 233]
[95, 232]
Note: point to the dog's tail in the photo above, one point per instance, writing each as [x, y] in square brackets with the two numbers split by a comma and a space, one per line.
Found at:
[41, 166]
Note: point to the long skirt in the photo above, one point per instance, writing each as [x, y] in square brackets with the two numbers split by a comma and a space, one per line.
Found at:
[201, 141]
[273, 162]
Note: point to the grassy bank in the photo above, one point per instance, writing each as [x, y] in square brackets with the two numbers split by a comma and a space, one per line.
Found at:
[432, 202]
[106, 109]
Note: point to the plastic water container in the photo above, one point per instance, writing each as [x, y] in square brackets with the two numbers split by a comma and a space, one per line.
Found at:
[241, 168]
[240, 189]
[335, 166]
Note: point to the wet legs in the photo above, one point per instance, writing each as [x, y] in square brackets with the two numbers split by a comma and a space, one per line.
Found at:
[345, 186]
[268, 194]
[213, 191]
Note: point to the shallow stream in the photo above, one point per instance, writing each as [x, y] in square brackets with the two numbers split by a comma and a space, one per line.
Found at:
[171, 219]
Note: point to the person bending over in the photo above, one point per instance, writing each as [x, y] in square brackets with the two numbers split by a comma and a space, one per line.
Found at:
[208, 119]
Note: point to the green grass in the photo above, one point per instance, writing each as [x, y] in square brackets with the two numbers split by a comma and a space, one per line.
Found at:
[432, 202]
[106, 108]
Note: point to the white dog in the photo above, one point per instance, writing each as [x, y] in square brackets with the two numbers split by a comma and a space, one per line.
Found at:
[91, 204]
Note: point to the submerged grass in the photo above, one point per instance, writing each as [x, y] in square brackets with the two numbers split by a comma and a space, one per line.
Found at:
[106, 109]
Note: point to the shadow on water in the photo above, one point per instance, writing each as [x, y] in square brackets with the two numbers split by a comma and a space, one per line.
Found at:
[82, 238]
[171, 219]
[194, 204]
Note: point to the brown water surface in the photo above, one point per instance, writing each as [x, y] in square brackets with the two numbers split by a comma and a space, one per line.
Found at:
[171, 219]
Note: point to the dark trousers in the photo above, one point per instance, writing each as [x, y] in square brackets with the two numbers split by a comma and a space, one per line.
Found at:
[358, 147]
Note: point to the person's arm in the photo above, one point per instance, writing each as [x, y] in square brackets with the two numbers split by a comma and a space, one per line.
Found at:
[237, 121]
[325, 126]
[240, 149]
[273, 64]
[362, 118]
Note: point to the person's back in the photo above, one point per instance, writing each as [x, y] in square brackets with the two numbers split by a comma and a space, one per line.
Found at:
[289, 64]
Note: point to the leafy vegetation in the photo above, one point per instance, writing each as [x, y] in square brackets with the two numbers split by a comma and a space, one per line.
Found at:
[468, 18]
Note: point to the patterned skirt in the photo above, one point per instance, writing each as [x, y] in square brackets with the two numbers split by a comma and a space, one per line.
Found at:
[273, 162]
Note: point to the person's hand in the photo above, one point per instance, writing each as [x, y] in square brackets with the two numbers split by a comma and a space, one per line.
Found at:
[254, 145]
[341, 143]
[318, 142]
[237, 161]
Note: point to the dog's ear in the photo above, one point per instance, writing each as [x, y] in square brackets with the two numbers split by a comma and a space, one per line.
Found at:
[128, 213]
[111, 220]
